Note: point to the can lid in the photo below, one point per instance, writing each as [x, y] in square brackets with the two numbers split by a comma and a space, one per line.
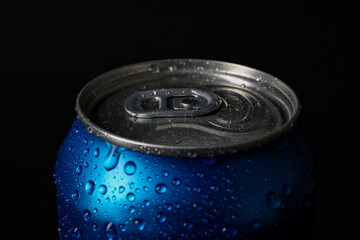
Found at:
[187, 107]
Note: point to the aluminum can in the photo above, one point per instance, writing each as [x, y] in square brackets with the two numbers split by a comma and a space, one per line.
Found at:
[185, 149]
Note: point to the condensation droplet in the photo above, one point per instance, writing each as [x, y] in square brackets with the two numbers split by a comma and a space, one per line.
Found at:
[121, 189]
[87, 215]
[215, 188]
[130, 168]
[78, 170]
[272, 200]
[97, 152]
[176, 181]
[95, 227]
[188, 225]
[89, 187]
[154, 68]
[111, 161]
[75, 194]
[160, 188]
[110, 230]
[102, 189]
[229, 232]
[165, 173]
[256, 223]
[139, 223]
[122, 227]
[286, 189]
[161, 217]
[132, 209]
[130, 197]
[75, 232]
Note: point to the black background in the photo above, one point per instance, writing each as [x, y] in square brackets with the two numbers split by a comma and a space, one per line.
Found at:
[50, 50]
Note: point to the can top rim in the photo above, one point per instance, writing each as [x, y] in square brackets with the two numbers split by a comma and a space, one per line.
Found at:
[279, 103]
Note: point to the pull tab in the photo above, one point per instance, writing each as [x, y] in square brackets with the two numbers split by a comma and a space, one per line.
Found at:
[172, 102]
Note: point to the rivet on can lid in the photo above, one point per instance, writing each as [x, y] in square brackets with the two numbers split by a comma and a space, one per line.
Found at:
[173, 102]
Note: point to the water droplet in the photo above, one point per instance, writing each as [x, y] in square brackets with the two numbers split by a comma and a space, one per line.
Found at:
[139, 223]
[172, 68]
[87, 215]
[86, 152]
[167, 206]
[110, 231]
[122, 227]
[130, 197]
[251, 161]
[146, 202]
[70, 148]
[111, 161]
[132, 209]
[102, 189]
[215, 188]
[97, 152]
[165, 173]
[75, 194]
[267, 179]
[154, 68]
[160, 188]
[229, 232]
[230, 181]
[256, 223]
[272, 200]
[200, 174]
[161, 217]
[95, 227]
[89, 187]
[75, 232]
[130, 168]
[176, 181]
[121, 189]
[286, 189]
[197, 189]
[149, 179]
[188, 225]
[78, 170]
[89, 129]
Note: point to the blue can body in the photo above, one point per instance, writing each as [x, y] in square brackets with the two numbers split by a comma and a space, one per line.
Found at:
[108, 192]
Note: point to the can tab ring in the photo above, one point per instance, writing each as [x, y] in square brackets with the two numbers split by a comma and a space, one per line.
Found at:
[171, 102]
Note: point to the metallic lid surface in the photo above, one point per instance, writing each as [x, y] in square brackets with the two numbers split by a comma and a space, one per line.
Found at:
[187, 107]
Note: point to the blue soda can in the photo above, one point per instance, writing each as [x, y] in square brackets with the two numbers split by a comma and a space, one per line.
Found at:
[185, 149]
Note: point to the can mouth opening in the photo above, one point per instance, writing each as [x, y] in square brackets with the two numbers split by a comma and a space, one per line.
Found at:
[255, 108]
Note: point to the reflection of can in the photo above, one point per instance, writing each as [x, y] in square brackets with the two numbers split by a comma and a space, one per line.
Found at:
[185, 149]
